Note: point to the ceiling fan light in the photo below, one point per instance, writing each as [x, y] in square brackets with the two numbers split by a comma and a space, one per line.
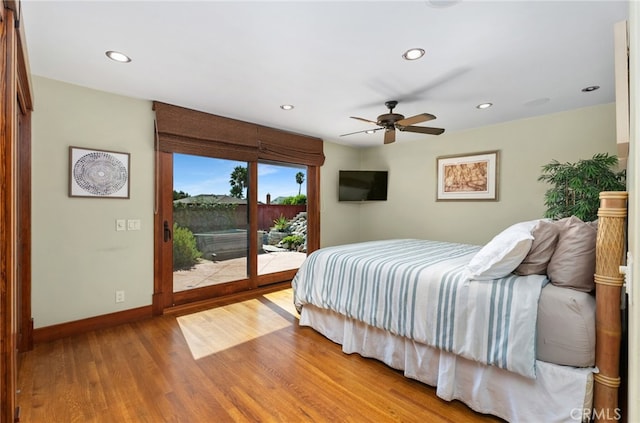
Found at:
[484, 105]
[116, 56]
[413, 54]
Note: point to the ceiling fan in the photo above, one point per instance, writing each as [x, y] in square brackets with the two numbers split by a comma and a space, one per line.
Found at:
[392, 121]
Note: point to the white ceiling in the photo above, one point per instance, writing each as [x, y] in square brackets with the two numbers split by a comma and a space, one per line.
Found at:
[333, 60]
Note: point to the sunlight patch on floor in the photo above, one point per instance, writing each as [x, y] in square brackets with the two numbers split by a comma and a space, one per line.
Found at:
[210, 331]
[284, 300]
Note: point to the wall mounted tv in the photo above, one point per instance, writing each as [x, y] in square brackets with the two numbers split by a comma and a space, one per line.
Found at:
[362, 185]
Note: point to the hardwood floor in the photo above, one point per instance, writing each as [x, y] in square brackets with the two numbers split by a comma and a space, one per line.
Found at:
[145, 372]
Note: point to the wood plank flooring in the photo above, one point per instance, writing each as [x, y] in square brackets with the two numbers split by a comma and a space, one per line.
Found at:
[145, 372]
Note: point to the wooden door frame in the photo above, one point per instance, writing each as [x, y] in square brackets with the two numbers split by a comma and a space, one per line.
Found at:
[163, 296]
[15, 212]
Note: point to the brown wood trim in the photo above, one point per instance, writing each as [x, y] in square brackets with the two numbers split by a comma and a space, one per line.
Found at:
[193, 307]
[163, 253]
[23, 76]
[252, 197]
[313, 208]
[8, 216]
[156, 303]
[218, 290]
[25, 320]
[25, 98]
[63, 330]
[275, 277]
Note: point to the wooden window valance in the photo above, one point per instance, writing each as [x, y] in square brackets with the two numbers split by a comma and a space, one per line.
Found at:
[189, 131]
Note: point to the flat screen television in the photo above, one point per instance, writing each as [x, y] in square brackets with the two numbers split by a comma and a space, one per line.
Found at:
[362, 185]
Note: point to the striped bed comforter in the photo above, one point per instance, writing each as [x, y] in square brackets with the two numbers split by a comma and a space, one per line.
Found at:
[419, 289]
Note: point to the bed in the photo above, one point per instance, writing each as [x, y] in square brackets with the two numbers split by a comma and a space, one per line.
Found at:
[526, 327]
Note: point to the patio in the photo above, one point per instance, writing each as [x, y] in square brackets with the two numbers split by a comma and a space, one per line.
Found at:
[213, 272]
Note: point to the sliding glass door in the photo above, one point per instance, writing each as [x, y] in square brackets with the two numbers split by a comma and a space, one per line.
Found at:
[282, 217]
[234, 144]
[224, 226]
[210, 221]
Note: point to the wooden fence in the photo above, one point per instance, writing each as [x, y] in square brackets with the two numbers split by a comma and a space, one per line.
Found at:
[203, 220]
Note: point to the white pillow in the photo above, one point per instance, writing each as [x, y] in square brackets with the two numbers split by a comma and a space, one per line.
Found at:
[500, 256]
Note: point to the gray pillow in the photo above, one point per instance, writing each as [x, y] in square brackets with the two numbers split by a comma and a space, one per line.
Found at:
[573, 262]
[545, 237]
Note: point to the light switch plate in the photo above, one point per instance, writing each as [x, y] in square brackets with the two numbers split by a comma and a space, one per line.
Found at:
[120, 225]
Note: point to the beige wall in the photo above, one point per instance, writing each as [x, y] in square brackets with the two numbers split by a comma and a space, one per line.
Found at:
[79, 260]
[524, 146]
[339, 222]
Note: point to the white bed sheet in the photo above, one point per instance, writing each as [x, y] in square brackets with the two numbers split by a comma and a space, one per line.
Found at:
[420, 289]
[558, 394]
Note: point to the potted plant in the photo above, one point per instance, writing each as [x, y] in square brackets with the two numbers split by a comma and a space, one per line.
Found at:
[575, 187]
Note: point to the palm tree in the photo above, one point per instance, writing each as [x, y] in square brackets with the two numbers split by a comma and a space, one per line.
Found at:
[299, 180]
[238, 181]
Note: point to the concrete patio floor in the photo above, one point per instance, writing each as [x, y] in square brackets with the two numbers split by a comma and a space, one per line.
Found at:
[210, 273]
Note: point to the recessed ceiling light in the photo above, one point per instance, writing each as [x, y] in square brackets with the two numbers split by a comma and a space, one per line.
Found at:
[591, 88]
[413, 54]
[118, 57]
[484, 105]
[286, 107]
[370, 131]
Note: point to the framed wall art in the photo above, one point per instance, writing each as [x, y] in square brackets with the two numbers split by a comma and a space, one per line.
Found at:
[98, 173]
[468, 177]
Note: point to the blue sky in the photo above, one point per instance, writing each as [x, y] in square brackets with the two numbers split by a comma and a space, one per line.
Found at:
[204, 175]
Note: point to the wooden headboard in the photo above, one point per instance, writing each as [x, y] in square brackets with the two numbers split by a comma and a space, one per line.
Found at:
[610, 255]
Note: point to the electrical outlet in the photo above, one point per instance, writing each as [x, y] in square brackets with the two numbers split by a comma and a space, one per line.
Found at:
[119, 296]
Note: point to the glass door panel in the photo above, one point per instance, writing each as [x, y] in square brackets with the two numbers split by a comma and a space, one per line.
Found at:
[210, 221]
[282, 217]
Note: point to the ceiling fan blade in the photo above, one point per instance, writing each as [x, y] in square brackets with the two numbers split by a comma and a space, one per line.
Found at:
[364, 120]
[422, 130]
[359, 132]
[389, 135]
[422, 117]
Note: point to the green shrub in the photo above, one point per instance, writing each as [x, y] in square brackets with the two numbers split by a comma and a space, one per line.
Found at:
[292, 241]
[295, 200]
[281, 224]
[185, 252]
